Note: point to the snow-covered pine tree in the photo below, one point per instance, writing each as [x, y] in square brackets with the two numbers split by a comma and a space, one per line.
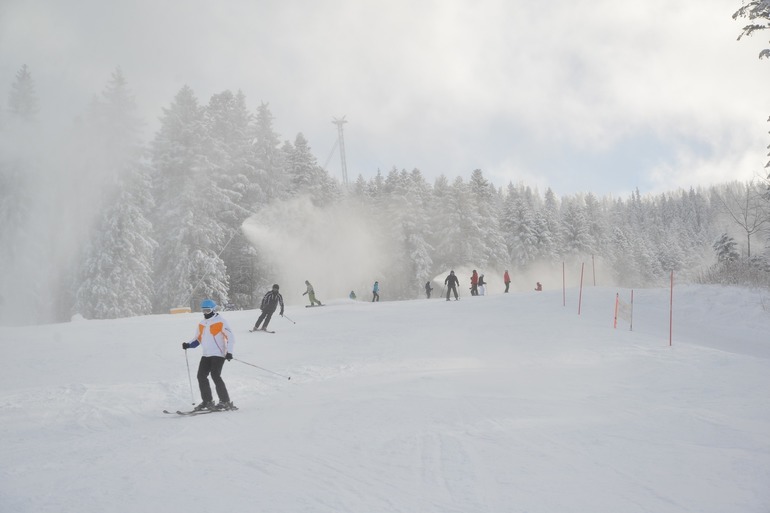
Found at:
[23, 100]
[238, 167]
[575, 229]
[491, 250]
[726, 249]
[359, 190]
[272, 175]
[595, 213]
[442, 236]
[229, 126]
[464, 225]
[115, 268]
[418, 229]
[188, 198]
[24, 286]
[307, 177]
[551, 232]
[519, 225]
[404, 200]
[19, 134]
[116, 277]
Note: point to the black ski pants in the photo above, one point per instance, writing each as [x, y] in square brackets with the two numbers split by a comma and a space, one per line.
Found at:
[266, 316]
[212, 365]
[451, 288]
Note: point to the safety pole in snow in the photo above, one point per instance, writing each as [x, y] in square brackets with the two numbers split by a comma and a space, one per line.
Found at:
[563, 286]
[617, 301]
[593, 266]
[671, 312]
[580, 297]
[262, 368]
[192, 397]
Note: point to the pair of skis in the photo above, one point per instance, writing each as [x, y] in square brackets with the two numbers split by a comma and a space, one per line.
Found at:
[193, 413]
[266, 331]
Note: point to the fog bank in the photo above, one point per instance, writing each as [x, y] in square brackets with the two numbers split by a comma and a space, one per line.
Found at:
[337, 248]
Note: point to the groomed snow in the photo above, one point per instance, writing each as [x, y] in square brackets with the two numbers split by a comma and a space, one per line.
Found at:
[503, 403]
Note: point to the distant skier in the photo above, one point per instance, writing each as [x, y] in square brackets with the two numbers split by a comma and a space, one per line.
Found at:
[538, 287]
[451, 283]
[311, 294]
[352, 295]
[218, 341]
[428, 289]
[474, 283]
[506, 280]
[482, 286]
[376, 292]
[269, 304]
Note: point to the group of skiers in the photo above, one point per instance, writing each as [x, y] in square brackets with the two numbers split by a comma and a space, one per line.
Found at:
[217, 339]
[478, 285]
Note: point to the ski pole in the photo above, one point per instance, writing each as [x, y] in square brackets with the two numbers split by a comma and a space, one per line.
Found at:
[192, 397]
[262, 368]
[288, 319]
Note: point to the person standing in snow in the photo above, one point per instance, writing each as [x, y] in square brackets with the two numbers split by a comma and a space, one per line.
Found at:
[482, 286]
[218, 341]
[474, 283]
[506, 280]
[451, 283]
[269, 304]
[376, 292]
[428, 289]
[311, 294]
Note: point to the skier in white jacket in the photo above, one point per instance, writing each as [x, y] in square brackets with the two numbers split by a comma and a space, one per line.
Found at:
[217, 341]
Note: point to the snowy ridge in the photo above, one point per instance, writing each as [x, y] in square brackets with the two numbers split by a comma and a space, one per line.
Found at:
[502, 403]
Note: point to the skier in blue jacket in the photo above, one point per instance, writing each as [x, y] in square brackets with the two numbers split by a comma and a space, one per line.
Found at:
[376, 292]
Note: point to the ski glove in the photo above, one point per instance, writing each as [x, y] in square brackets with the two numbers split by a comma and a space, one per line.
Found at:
[229, 356]
[185, 345]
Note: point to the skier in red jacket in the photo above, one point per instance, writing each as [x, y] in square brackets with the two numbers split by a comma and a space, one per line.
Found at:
[474, 283]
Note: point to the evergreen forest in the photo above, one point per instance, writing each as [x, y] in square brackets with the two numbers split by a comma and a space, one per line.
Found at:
[97, 221]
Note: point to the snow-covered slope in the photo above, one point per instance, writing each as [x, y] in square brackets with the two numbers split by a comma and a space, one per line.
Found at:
[502, 403]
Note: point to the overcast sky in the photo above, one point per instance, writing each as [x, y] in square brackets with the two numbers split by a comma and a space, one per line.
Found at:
[576, 95]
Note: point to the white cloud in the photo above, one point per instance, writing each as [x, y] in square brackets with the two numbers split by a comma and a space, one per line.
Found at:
[443, 86]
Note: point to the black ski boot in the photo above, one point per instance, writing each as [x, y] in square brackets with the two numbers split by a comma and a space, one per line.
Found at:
[205, 405]
[226, 405]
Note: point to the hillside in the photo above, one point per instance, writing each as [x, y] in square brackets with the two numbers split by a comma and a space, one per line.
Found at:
[502, 403]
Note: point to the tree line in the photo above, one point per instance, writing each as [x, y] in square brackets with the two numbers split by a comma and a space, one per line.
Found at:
[96, 221]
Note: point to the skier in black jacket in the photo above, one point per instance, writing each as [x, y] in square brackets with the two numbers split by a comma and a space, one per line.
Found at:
[269, 303]
[451, 283]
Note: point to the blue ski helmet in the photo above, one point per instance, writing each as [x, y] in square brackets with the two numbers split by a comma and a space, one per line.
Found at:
[208, 303]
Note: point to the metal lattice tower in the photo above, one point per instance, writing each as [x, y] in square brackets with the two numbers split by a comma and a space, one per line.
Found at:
[341, 140]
